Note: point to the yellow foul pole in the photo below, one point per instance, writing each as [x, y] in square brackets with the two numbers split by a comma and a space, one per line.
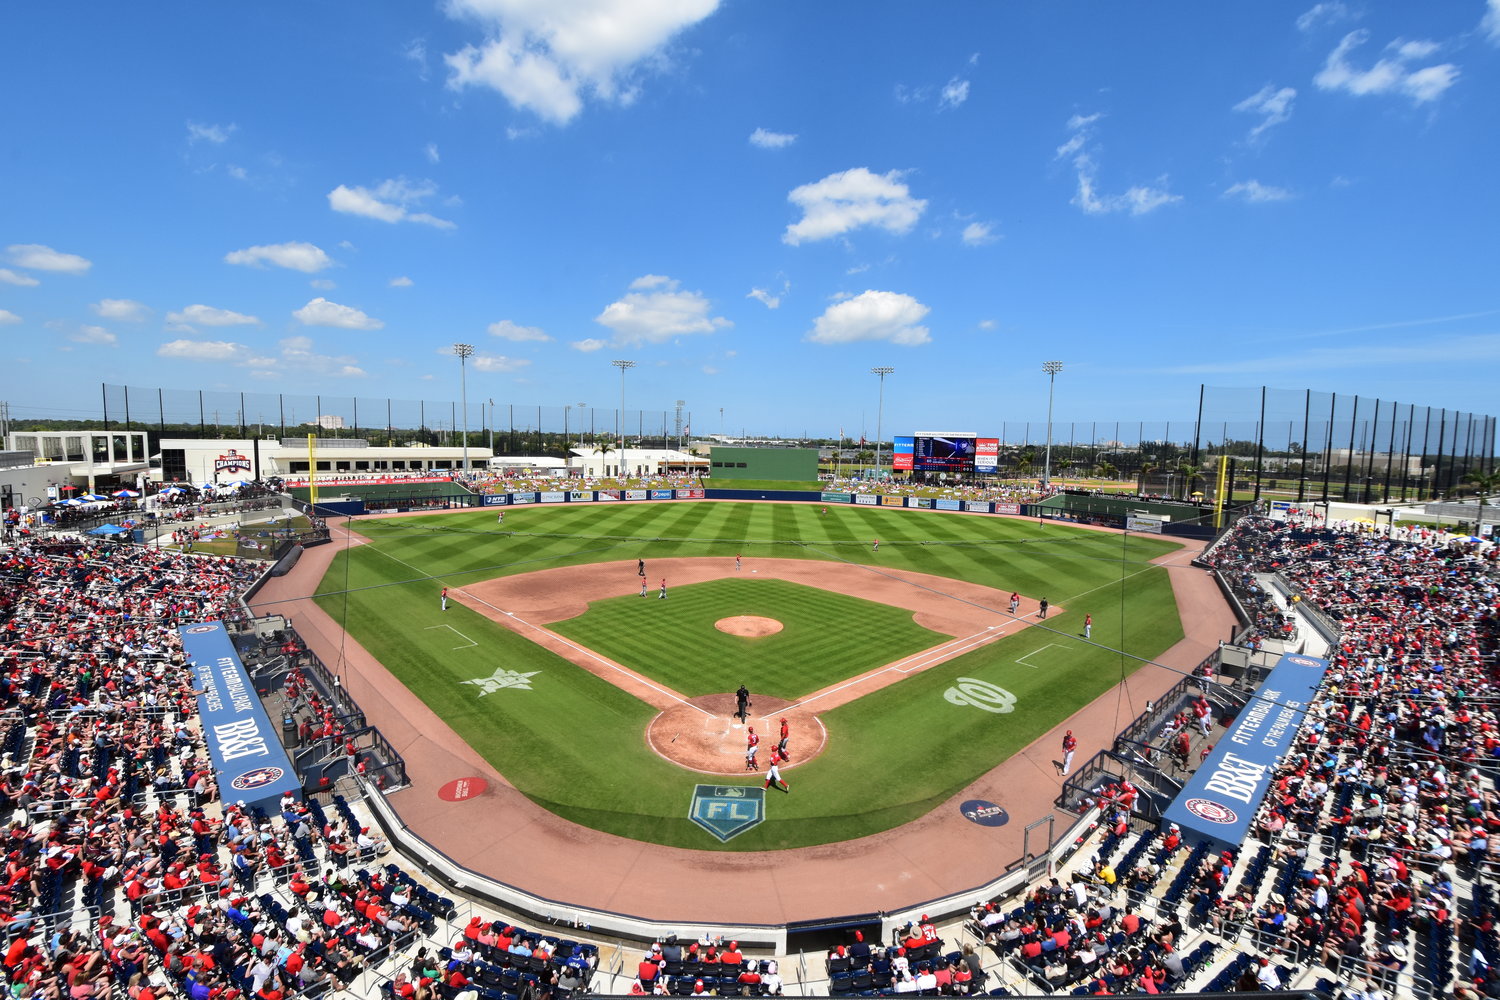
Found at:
[312, 470]
[1219, 492]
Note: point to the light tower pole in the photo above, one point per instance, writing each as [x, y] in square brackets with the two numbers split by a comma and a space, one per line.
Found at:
[624, 366]
[882, 371]
[464, 352]
[1051, 368]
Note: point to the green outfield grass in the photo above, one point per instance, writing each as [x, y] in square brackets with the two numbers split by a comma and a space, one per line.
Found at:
[573, 742]
[825, 638]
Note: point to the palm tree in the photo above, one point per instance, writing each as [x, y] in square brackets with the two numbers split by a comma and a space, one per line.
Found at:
[1485, 483]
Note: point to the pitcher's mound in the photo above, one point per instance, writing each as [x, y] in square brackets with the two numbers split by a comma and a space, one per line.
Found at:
[749, 626]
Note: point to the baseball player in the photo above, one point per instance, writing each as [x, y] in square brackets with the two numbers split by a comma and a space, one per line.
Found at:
[445, 598]
[752, 740]
[1015, 602]
[663, 595]
[786, 732]
[500, 518]
[876, 546]
[1070, 744]
[643, 587]
[773, 774]
[1088, 626]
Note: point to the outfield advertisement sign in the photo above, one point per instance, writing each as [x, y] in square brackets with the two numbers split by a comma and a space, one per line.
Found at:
[1007, 508]
[690, 494]
[523, 498]
[636, 494]
[868, 499]
[1148, 525]
[248, 758]
[949, 505]
[661, 494]
[986, 454]
[923, 503]
[607, 494]
[837, 497]
[580, 496]
[554, 496]
[887, 501]
[494, 499]
[977, 506]
[1222, 798]
[901, 453]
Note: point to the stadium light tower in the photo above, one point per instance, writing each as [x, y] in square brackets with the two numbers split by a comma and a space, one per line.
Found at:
[882, 371]
[1051, 368]
[624, 366]
[464, 352]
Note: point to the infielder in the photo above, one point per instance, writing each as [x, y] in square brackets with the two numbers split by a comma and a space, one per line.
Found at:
[1015, 602]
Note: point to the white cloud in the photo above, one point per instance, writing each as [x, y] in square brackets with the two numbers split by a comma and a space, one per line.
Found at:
[237, 172]
[766, 139]
[547, 57]
[9, 277]
[977, 234]
[432, 153]
[1319, 14]
[710, 370]
[655, 310]
[7, 317]
[1077, 122]
[1255, 191]
[203, 350]
[764, 297]
[201, 315]
[844, 201]
[590, 345]
[506, 330]
[401, 282]
[88, 334]
[1390, 73]
[954, 93]
[304, 257]
[1137, 200]
[390, 201]
[987, 324]
[1490, 23]
[44, 258]
[125, 310]
[216, 134]
[498, 363]
[1275, 107]
[321, 312]
[323, 284]
[872, 315]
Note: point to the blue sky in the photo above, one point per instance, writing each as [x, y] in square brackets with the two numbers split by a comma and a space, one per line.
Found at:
[756, 202]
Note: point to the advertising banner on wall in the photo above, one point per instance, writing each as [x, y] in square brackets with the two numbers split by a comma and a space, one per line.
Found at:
[1142, 523]
[249, 760]
[637, 494]
[1007, 508]
[607, 494]
[1221, 800]
[523, 498]
[342, 478]
[554, 496]
[494, 499]
[922, 503]
[949, 505]
[893, 501]
[837, 497]
[977, 506]
[661, 494]
[986, 454]
[901, 453]
[868, 499]
[690, 494]
[580, 496]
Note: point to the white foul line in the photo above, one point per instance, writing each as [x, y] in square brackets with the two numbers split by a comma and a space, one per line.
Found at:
[1022, 661]
[456, 632]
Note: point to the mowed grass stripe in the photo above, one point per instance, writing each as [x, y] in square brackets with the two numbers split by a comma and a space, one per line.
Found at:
[573, 743]
[826, 637]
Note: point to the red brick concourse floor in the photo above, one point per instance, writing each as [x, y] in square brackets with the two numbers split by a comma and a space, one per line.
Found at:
[505, 836]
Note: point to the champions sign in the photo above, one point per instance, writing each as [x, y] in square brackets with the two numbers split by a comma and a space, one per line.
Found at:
[233, 461]
[249, 760]
[1219, 802]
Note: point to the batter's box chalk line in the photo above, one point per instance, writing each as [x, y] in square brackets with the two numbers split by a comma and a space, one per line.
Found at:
[1039, 649]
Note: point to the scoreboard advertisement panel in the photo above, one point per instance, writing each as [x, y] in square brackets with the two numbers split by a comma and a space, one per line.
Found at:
[943, 451]
[901, 452]
[986, 454]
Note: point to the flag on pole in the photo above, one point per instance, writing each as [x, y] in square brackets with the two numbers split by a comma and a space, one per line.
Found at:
[687, 429]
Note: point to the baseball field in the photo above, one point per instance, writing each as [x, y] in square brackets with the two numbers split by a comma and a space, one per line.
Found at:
[547, 618]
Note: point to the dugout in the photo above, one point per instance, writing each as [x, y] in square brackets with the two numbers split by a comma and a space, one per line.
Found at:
[777, 464]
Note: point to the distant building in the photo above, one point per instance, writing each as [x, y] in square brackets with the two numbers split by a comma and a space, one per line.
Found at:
[599, 464]
[202, 461]
[330, 422]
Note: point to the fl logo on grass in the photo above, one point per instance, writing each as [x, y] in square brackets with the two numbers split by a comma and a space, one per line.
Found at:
[726, 811]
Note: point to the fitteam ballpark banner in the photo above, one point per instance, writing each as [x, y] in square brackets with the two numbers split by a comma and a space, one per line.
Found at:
[1220, 801]
[249, 760]
[344, 478]
[901, 452]
[986, 454]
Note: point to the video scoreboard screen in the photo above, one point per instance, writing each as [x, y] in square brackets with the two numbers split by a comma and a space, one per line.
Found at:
[943, 451]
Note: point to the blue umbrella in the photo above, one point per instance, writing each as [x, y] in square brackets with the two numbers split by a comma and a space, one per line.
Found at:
[92, 498]
[172, 491]
[107, 529]
[124, 493]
